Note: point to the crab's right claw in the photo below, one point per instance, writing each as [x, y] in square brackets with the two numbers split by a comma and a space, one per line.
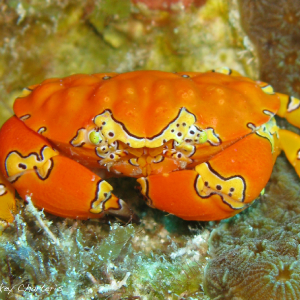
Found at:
[53, 181]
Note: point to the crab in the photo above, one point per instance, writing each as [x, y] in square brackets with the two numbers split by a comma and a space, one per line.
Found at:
[201, 145]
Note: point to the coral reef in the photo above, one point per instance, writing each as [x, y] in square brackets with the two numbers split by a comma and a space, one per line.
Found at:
[273, 26]
[256, 255]
[262, 268]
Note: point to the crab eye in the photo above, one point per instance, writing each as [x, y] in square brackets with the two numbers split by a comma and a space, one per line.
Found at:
[202, 136]
[95, 137]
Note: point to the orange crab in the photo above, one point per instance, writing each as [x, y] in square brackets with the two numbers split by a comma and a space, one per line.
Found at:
[202, 145]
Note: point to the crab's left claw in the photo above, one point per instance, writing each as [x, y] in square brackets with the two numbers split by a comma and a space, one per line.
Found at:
[53, 181]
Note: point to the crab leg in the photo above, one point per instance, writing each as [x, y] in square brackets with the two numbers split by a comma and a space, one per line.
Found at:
[54, 182]
[289, 109]
[289, 141]
[7, 203]
[217, 189]
[290, 144]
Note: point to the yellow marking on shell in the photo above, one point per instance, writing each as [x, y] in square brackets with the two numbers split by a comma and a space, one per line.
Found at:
[110, 157]
[293, 104]
[231, 190]
[268, 130]
[158, 159]
[113, 130]
[134, 162]
[184, 147]
[89, 136]
[103, 193]
[79, 138]
[143, 181]
[212, 137]
[25, 92]
[195, 135]
[111, 203]
[266, 88]
[226, 71]
[43, 170]
[223, 70]
[16, 164]
[143, 185]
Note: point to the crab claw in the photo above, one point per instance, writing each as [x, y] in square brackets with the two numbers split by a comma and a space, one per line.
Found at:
[53, 181]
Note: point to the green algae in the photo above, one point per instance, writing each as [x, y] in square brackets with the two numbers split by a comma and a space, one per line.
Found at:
[74, 259]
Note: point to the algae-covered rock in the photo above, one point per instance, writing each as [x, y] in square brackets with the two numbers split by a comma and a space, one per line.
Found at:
[42, 39]
[274, 29]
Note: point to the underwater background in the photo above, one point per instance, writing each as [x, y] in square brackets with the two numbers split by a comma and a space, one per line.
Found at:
[254, 255]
